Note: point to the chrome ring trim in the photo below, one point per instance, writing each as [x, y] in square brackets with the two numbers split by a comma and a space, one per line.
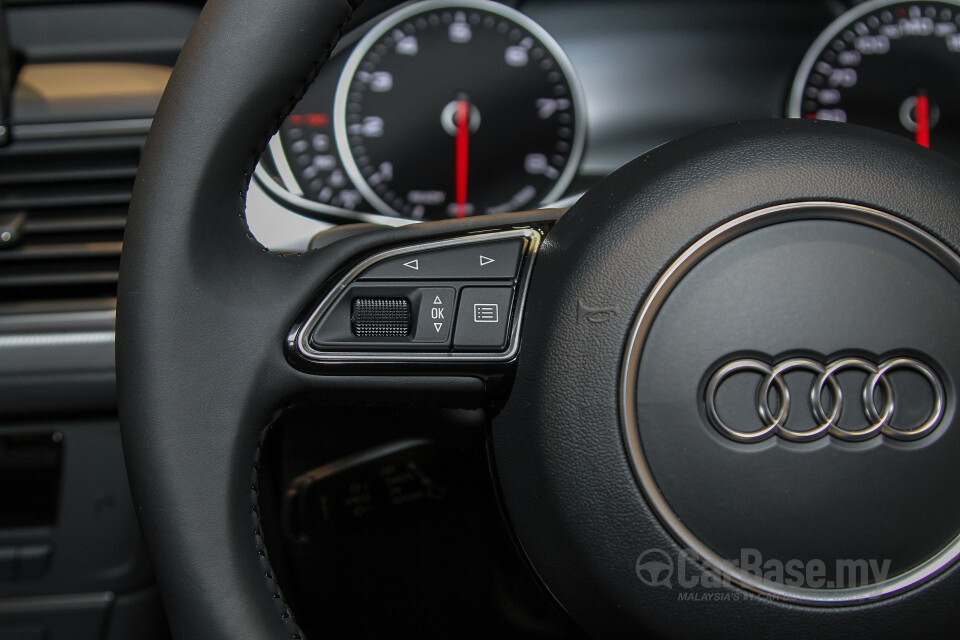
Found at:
[828, 34]
[868, 401]
[939, 398]
[827, 423]
[415, 8]
[746, 436]
[816, 399]
[285, 171]
[763, 400]
[293, 202]
[298, 204]
[300, 337]
[628, 384]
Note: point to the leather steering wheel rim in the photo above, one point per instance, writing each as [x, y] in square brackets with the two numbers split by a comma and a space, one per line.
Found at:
[243, 68]
[204, 312]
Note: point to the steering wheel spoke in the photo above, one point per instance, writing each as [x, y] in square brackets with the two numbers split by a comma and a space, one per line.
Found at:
[427, 315]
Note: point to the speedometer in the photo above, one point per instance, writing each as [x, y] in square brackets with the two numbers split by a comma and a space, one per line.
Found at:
[449, 110]
[888, 65]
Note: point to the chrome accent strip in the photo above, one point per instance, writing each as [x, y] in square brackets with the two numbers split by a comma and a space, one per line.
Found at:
[60, 130]
[57, 322]
[628, 396]
[300, 337]
[56, 339]
[414, 8]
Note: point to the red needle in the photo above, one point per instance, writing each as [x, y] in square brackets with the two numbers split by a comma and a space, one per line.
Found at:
[922, 116]
[463, 155]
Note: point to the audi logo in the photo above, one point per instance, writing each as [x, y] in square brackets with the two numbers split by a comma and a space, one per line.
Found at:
[878, 407]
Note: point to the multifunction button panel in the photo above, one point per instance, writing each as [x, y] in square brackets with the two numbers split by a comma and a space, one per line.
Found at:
[456, 299]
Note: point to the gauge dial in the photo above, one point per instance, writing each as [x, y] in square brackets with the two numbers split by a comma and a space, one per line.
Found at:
[888, 65]
[455, 110]
[306, 152]
[308, 142]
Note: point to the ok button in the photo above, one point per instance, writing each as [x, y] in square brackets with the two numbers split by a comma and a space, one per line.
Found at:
[435, 317]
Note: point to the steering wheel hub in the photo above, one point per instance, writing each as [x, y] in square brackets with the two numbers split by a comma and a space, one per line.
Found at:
[763, 419]
[821, 495]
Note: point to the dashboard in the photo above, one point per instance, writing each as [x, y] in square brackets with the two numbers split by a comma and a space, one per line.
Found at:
[425, 111]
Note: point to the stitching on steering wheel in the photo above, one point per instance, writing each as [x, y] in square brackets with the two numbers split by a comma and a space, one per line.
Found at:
[286, 615]
[283, 113]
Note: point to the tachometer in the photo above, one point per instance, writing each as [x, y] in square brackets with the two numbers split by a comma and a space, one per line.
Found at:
[889, 65]
[449, 110]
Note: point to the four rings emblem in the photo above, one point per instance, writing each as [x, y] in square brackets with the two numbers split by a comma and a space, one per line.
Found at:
[877, 398]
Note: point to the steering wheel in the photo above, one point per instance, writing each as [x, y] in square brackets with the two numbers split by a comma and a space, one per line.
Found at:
[636, 354]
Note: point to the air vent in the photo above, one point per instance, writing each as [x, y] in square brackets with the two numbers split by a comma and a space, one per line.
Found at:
[63, 206]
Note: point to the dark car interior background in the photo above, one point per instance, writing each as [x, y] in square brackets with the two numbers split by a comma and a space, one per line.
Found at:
[377, 520]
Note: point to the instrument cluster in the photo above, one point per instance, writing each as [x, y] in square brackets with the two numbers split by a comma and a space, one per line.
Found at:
[440, 109]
